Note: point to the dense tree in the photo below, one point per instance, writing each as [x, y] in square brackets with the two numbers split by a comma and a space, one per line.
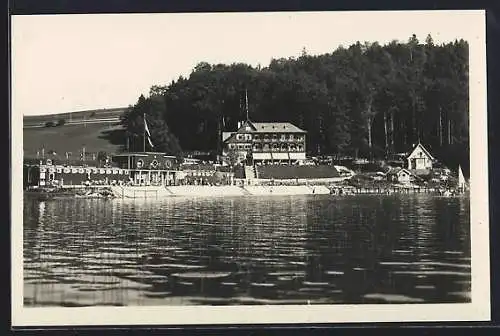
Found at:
[363, 100]
[154, 110]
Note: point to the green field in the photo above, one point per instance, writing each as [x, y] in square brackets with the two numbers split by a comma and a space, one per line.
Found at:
[96, 137]
[77, 116]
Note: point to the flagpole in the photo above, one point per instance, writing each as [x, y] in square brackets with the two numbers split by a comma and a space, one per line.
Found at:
[246, 102]
[144, 131]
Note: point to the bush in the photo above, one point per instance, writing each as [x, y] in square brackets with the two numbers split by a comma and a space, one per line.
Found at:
[49, 124]
[61, 122]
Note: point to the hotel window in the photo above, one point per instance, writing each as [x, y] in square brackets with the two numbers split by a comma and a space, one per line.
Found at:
[275, 146]
[291, 137]
[275, 137]
[239, 136]
[293, 148]
[247, 146]
[256, 137]
[266, 136]
[283, 137]
[284, 147]
[266, 147]
[231, 146]
[300, 148]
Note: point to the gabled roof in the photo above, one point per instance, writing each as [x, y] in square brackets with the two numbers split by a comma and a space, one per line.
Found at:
[269, 127]
[262, 127]
[226, 135]
[396, 171]
[276, 127]
[423, 149]
[244, 126]
[231, 138]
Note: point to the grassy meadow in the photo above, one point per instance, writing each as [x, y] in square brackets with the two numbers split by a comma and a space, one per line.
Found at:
[95, 137]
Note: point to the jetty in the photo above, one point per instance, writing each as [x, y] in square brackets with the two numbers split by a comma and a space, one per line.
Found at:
[214, 191]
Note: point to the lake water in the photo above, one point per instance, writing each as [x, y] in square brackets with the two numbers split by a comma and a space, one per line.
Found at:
[247, 250]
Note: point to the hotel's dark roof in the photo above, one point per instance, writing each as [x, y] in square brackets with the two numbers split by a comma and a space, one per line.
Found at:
[276, 127]
[263, 127]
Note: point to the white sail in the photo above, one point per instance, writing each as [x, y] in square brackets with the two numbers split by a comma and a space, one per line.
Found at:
[461, 178]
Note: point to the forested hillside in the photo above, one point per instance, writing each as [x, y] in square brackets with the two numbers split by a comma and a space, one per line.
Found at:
[363, 100]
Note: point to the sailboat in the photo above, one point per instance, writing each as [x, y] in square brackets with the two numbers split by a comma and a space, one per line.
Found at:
[462, 184]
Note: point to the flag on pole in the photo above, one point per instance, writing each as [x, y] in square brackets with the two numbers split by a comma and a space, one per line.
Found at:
[146, 130]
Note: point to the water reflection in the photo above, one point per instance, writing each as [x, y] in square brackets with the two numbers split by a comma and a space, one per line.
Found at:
[275, 250]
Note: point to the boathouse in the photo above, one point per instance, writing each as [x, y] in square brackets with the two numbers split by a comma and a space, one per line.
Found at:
[420, 160]
[50, 172]
[401, 175]
[149, 168]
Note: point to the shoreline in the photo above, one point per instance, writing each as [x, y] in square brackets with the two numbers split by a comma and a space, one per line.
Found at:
[142, 192]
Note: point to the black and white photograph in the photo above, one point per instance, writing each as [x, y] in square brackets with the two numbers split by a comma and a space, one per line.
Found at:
[264, 167]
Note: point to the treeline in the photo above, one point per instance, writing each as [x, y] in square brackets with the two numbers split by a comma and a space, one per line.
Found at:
[366, 100]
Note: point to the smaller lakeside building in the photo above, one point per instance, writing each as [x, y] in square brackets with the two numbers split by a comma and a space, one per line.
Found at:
[149, 168]
[400, 175]
[139, 168]
[420, 160]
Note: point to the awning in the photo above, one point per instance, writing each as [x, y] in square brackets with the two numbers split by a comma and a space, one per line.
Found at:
[280, 156]
[262, 156]
[297, 156]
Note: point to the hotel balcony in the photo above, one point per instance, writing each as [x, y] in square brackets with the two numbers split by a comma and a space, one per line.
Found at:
[278, 149]
[277, 138]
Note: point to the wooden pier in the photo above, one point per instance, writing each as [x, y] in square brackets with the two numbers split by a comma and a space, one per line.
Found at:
[384, 191]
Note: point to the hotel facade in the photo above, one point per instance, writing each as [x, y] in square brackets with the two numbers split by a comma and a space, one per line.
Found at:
[265, 143]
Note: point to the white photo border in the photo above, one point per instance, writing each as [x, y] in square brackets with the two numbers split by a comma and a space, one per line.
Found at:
[477, 310]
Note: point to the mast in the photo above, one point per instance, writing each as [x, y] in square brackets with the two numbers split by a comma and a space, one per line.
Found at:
[246, 103]
[144, 133]
[219, 133]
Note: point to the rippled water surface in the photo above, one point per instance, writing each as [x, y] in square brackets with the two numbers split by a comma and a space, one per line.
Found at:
[247, 250]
